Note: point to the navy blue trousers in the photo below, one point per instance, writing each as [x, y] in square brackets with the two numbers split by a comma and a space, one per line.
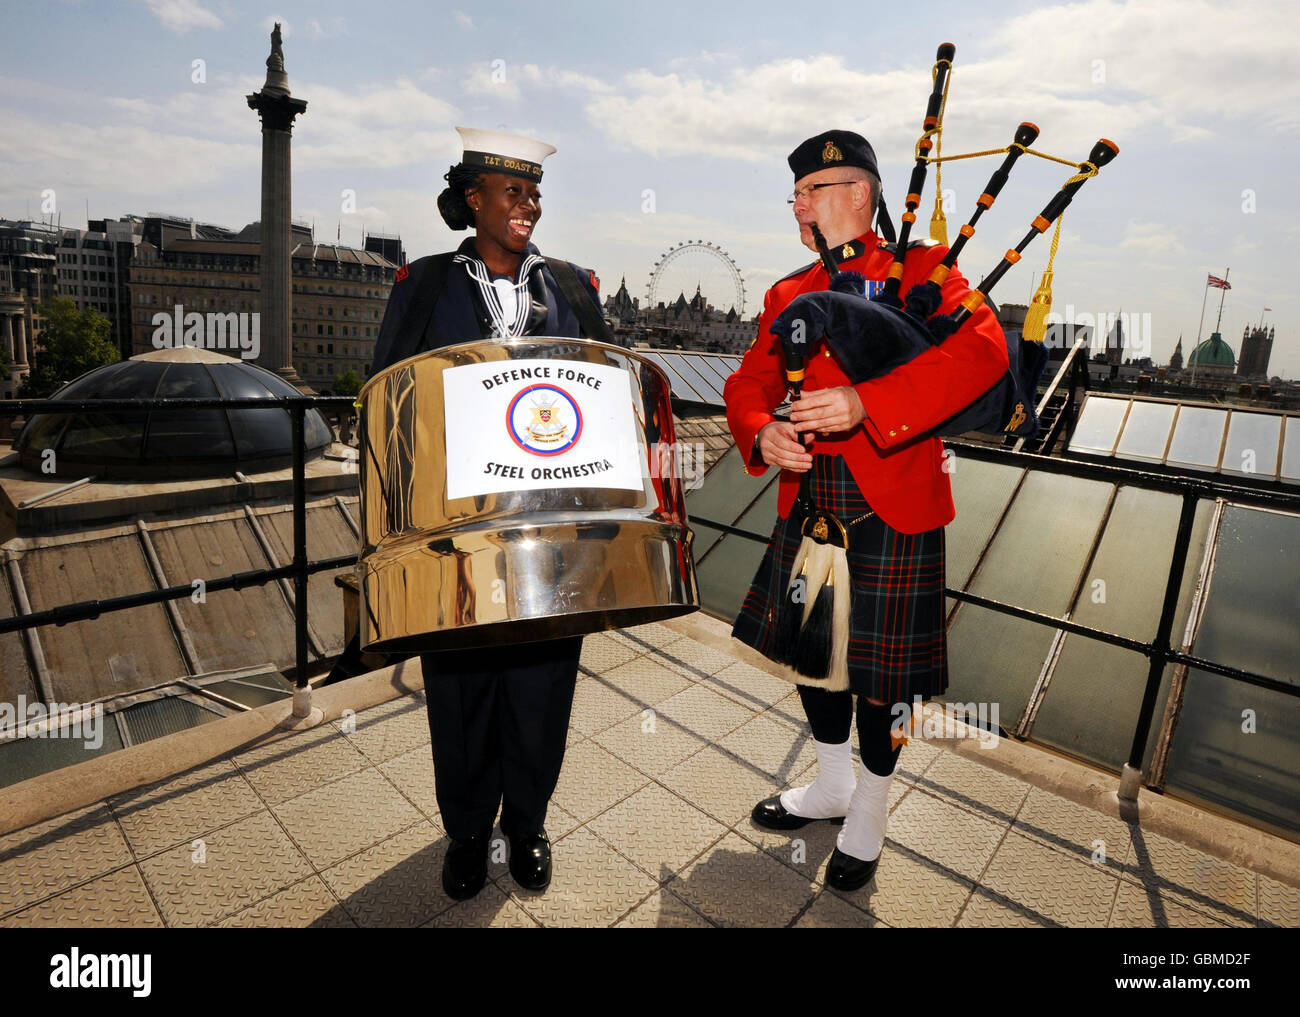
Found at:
[498, 721]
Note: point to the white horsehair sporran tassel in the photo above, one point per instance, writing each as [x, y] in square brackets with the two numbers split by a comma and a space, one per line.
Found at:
[820, 656]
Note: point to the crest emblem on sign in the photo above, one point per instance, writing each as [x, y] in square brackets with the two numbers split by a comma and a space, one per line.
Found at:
[544, 420]
[547, 427]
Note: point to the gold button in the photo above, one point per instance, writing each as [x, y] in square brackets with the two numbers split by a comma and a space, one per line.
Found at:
[827, 352]
[904, 427]
[893, 434]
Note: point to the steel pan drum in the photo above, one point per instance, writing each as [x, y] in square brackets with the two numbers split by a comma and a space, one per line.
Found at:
[518, 491]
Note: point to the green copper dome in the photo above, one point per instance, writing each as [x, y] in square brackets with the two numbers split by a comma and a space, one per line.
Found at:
[1214, 352]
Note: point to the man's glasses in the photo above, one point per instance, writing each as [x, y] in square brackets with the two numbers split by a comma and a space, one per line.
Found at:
[806, 192]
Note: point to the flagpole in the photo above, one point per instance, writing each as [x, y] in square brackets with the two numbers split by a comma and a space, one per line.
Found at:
[1222, 293]
[1197, 345]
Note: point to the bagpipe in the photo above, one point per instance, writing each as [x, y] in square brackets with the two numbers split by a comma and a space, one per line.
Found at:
[872, 336]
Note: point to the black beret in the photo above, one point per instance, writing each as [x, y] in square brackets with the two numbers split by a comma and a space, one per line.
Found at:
[833, 148]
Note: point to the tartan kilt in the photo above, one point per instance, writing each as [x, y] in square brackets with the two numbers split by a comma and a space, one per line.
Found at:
[897, 639]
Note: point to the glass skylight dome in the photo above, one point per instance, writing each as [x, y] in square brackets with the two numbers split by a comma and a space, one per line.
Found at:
[151, 444]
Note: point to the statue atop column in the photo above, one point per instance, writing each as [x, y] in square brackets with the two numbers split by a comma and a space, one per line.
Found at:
[277, 81]
[276, 60]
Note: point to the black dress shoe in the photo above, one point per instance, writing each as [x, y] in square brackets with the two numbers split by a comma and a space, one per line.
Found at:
[770, 813]
[464, 870]
[844, 872]
[530, 861]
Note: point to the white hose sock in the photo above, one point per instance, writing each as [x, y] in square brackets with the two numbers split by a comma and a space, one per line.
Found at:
[828, 796]
[863, 833]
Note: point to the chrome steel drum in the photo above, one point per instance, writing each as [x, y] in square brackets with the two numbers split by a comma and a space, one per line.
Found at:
[519, 491]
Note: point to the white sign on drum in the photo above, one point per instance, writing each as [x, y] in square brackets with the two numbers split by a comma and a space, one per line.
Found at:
[521, 425]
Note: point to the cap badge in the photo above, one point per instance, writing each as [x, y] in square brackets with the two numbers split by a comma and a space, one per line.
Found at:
[831, 153]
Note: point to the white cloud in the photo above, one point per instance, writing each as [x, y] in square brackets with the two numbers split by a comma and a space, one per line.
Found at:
[1081, 71]
[1150, 238]
[180, 16]
[377, 127]
[500, 79]
[325, 30]
[140, 160]
[463, 20]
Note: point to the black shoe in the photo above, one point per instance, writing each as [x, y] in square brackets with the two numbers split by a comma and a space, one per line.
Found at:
[770, 813]
[530, 861]
[464, 870]
[844, 872]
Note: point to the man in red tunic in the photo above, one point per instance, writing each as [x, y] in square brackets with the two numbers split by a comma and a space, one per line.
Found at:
[877, 467]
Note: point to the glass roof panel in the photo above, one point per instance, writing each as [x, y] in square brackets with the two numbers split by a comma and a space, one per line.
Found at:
[1291, 451]
[258, 432]
[1095, 694]
[724, 576]
[995, 658]
[1098, 424]
[725, 494]
[981, 491]
[681, 388]
[1198, 436]
[161, 717]
[1146, 431]
[1251, 449]
[1039, 552]
[1237, 745]
[712, 369]
[188, 434]
[706, 386]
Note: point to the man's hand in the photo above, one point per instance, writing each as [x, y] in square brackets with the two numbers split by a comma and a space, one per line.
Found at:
[828, 410]
[779, 445]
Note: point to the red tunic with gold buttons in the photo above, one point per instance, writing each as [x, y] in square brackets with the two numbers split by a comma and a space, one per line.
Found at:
[897, 466]
[884, 479]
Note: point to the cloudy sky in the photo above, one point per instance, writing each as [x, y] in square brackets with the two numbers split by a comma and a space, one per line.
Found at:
[673, 121]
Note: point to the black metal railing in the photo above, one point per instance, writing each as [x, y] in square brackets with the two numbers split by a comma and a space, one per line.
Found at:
[299, 571]
[1159, 651]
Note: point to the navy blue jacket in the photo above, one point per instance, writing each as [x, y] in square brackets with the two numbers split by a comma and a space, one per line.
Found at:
[455, 316]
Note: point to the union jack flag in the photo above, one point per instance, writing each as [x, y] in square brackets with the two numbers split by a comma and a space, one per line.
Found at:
[1217, 283]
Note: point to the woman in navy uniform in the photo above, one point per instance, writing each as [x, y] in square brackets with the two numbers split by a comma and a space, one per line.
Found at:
[498, 716]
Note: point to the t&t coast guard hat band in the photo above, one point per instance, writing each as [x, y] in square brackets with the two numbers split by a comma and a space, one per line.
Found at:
[504, 153]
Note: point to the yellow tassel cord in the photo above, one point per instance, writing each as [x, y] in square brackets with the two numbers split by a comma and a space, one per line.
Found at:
[1035, 328]
[938, 221]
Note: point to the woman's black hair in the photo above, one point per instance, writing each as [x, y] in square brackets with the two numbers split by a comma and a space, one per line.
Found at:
[452, 205]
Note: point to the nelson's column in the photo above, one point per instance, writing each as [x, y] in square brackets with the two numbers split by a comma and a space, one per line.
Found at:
[277, 110]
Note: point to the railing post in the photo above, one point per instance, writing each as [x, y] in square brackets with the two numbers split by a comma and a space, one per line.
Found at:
[1131, 778]
[304, 714]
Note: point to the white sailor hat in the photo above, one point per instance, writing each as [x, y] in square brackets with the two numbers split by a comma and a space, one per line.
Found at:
[504, 153]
